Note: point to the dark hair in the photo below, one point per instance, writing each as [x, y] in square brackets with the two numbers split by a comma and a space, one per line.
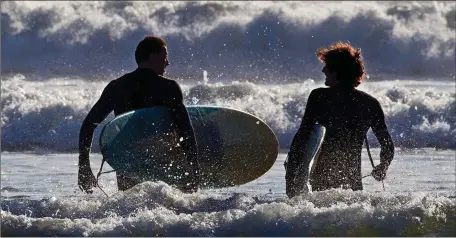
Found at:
[345, 61]
[149, 45]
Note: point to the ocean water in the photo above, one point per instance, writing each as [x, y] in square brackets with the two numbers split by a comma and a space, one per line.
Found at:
[40, 197]
[258, 57]
[41, 121]
[254, 56]
[263, 41]
[47, 116]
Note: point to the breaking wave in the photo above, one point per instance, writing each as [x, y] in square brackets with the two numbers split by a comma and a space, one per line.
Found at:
[48, 115]
[271, 41]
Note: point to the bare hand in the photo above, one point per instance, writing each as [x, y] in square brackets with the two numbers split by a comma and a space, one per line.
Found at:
[379, 172]
[86, 179]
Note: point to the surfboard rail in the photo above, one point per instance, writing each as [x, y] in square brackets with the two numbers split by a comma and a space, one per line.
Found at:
[302, 173]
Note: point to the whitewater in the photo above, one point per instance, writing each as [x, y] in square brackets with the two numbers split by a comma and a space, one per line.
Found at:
[47, 115]
[257, 57]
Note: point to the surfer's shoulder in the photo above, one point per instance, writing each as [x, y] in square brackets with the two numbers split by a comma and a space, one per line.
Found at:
[367, 96]
[122, 79]
[319, 91]
[170, 82]
[113, 84]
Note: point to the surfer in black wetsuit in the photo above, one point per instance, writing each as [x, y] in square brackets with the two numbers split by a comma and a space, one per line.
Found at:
[144, 87]
[347, 114]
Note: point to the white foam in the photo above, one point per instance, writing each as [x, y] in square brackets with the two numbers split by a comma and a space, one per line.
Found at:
[49, 114]
[151, 209]
[232, 39]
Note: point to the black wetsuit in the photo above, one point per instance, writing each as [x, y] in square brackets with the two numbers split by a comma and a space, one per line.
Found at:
[140, 89]
[347, 114]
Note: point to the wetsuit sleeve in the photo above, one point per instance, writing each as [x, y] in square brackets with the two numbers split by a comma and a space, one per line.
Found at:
[96, 115]
[381, 132]
[307, 124]
[184, 126]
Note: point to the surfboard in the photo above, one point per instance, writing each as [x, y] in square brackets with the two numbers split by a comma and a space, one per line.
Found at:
[306, 166]
[234, 147]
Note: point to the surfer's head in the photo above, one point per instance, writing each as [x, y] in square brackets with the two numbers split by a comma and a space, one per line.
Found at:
[152, 53]
[343, 64]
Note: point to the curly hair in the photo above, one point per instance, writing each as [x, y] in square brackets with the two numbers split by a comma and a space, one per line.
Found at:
[345, 61]
[149, 45]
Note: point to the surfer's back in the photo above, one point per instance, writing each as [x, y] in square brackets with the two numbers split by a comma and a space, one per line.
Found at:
[140, 89]
[347, 114]
[345, 109]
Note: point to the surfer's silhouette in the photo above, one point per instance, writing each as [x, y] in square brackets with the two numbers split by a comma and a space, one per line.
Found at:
[347, 114]
[144, 87]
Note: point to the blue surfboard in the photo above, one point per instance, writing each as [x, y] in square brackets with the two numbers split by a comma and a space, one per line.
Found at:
[234, 147]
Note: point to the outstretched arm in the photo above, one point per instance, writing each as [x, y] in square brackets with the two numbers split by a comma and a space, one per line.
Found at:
[386, 143]
[184, 126]
[101, 109]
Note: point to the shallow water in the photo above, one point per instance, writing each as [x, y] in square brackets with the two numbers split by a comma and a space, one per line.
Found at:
[40, 197]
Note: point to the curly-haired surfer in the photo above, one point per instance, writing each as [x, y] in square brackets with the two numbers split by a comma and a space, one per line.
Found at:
[347, 114]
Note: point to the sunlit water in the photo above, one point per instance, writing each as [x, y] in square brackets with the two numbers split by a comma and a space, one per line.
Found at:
[257, 57]
[40, 197]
